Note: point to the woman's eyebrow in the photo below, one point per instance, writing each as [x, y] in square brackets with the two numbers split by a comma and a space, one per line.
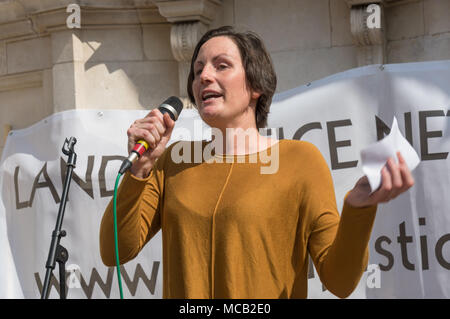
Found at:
[221, 55]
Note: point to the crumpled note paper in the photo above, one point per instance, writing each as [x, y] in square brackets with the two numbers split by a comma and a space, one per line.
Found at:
[375, 156]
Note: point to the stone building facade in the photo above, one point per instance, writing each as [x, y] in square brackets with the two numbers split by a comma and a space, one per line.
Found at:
[132, 54]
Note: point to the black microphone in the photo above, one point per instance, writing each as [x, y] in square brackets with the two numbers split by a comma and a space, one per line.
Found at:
[173, 106]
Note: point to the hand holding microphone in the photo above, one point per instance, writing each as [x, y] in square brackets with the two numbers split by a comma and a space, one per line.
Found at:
[148, 137]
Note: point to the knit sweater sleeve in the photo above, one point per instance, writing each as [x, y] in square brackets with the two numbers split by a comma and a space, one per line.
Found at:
[138, 215]
[338, 245]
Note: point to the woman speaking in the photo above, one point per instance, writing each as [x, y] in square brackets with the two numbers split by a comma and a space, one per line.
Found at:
[229, 230]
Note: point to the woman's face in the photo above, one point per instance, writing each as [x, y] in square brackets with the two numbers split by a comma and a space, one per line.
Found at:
[219, 87]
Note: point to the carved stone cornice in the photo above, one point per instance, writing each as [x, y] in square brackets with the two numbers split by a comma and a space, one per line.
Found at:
[370, 42]
[351, 3]
[392, 3]
[35, 6]
[190, 20]
[189, 10]
[362, 34]
[30, 19]
[184, 37]
[385, 3]
[21, 81]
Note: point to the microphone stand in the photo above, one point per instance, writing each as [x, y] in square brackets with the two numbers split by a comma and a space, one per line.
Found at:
[58, 253]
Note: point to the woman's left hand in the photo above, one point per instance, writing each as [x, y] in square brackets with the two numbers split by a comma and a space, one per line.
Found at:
[396, 179]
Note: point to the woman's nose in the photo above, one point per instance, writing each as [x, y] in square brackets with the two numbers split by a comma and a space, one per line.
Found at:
[206, 75]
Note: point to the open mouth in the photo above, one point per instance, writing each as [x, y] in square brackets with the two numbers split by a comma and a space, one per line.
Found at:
[210, 96]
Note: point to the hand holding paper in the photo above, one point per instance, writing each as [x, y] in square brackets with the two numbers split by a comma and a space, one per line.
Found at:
[387, 164]
[375, 156]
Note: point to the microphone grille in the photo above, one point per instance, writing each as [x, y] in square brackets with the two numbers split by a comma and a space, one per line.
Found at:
[175, 102]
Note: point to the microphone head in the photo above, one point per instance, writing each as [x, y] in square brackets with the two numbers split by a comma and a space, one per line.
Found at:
[173, 106]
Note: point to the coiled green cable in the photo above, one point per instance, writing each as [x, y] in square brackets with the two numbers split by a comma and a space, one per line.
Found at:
[116, 241]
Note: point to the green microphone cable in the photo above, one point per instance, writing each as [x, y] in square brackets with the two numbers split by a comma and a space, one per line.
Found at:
[116, 241]
[140, 148]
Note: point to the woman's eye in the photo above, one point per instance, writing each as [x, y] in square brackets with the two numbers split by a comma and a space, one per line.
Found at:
[222, 66]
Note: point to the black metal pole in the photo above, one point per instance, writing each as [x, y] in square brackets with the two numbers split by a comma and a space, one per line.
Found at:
[56, 251]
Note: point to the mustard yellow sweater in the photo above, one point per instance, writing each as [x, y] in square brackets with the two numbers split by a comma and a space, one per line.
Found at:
[229, 231]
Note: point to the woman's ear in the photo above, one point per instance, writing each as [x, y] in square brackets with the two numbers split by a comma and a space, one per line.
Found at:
[255, 95]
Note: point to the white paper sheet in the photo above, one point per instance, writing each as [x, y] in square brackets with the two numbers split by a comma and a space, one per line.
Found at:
[375, 156]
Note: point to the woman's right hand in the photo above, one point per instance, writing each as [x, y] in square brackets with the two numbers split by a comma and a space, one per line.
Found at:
[156, 130]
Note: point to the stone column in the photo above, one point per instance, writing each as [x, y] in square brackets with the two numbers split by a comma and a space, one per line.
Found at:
[190, 20]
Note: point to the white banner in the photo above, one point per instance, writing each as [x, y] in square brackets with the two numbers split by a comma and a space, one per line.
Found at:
[341, 114]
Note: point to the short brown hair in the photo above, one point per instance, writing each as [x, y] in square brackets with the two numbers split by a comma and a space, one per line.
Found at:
[259, 71]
